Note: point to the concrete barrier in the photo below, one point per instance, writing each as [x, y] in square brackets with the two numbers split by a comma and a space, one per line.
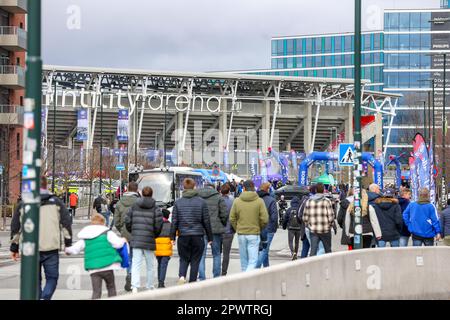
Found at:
[388, 273]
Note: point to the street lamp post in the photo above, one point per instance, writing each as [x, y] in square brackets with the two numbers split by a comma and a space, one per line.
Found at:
[101, 142]
[165, 133]
[357, 239]
[54, 137]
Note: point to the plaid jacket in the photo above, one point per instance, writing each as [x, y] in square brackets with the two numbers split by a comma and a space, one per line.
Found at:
[318, 214]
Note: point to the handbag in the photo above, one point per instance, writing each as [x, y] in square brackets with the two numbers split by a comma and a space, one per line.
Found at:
[125, 255]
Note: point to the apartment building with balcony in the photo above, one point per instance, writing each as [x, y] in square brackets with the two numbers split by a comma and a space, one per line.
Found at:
[13, 47]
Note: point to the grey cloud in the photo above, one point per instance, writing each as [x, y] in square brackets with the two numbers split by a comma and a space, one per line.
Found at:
[194, 35]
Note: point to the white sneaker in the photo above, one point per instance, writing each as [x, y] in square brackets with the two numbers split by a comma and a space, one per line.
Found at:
[134, 290]
[182, 280]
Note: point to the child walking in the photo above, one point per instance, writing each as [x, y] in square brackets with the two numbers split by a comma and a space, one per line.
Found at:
[163, 248]
[100, 255]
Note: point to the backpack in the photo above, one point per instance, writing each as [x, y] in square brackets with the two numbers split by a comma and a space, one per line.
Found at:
[294, 221]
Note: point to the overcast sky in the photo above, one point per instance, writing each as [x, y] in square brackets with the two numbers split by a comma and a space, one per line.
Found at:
[192, 35]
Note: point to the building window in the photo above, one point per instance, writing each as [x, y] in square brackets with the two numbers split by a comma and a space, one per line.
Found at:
[274, 64]
[308, 62]
[309, 45]
[348, 40]
[328, 61]
[290, 63]
[425, 17]
[290, 46]
[393, 19]
[392, 41]
[414, 41]
[337, 60]
[274, 47]
[392, 79]
[339, 73]
[425, 61]
[414, 61]
[403, 80]
[280, 50]
[376, 58]
[299, 62]
[320, 73]
[21, 100]
[280, 64]
[348, 59]
[392, 61]
[366, 39]
[404, 21]
[18, 147]
[415, 21]
[403, 41]
[318, 62]
[403, 61]
[377, 41]
[425, 41]
[328, 44]
[337, 44]
[299, 46]
[318, 45]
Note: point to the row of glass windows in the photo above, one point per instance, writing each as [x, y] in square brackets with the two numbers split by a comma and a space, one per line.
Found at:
[325, 61]
[407, 79]
[407, 21]
[407, 61]
[375, 74]
[299, 46]
[408, 42]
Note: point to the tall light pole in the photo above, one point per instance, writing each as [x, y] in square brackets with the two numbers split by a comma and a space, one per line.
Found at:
[357, 240]
[101, 143]
[29, 266]
[54, 138]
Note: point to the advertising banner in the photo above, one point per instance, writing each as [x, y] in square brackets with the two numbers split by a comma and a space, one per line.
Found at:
[82, 125]
[122, 125]
[421, 161]
[413, 178]
[433, 179]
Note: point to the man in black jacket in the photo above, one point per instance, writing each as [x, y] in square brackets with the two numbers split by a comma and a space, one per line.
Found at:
[144, 220]
[190, 218]
[52, 215]
[390, 218]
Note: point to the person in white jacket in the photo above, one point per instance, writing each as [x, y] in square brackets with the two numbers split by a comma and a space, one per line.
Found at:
[101, 257]
[369, 222]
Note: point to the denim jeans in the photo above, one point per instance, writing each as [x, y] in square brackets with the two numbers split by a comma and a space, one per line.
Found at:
[163, 262]
[50, 261]
[316, 238]
[138, 259]
[321, 248]
[263, 256]
[404, 241]
[305, 248]
[106, 214]
[248, 251]
[216, 249]
[426, 242]
[394, 243]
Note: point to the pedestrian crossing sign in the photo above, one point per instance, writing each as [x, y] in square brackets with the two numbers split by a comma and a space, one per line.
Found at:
[346, 154]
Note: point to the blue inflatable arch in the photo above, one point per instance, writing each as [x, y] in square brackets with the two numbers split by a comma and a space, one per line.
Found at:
[328, 156]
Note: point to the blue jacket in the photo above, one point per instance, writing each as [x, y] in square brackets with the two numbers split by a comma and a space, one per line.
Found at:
[445, 222]
[271, 205]
[422, 219]
[190, 216]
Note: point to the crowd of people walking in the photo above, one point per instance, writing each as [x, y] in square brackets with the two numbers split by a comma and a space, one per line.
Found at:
[204, 217]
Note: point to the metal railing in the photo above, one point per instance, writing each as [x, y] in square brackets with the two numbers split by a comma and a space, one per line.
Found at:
[4, 108]
[11, 69]
[12, 30]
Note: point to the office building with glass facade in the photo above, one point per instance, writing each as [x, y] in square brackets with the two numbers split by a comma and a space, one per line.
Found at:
[402, 58]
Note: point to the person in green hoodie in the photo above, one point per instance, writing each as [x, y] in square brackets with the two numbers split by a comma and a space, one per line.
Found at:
[126, 202]
[248, 217]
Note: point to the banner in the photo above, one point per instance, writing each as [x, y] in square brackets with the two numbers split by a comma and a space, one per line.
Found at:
[421, 161]
[433, 179]
[82, 126]
[122, 125]
[413, 178]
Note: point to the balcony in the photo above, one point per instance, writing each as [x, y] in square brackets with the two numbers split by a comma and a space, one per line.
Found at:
[14, 6]
[12, 77]
[13, 38]
[11, 115]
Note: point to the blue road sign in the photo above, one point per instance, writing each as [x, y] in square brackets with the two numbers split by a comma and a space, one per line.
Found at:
[120, 167]
[346, 154]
